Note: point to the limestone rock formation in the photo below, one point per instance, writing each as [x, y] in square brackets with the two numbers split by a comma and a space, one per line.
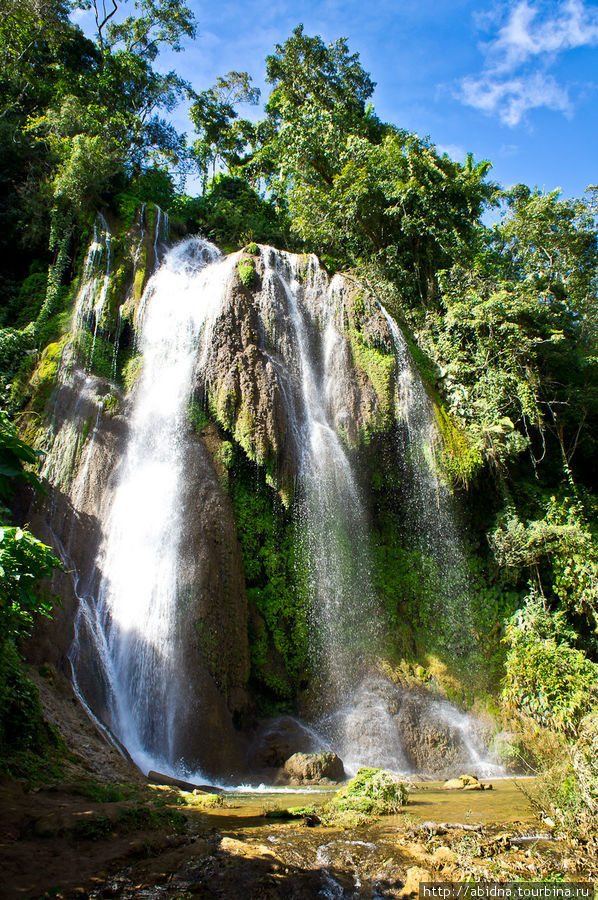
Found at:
[311, 768]
[251, 379]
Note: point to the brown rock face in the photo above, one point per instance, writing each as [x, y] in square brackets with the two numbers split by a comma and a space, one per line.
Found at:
[277, 740]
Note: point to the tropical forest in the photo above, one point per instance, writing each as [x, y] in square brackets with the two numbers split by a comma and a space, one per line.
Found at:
[298, 484]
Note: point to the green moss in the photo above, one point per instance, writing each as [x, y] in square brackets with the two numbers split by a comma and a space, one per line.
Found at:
[379, 365]
[96, 354]
[244, 433]
[203, 801]
[111, 404]
[226, 454]
[252, 248]
[372, 791]
[246, 271]
[43, 380]
[197, 415]
[120, 284]
[140, 274]
[276, 588]
[132, 371]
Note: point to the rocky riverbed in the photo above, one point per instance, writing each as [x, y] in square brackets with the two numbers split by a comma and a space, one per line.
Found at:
[95, 828]
[99, 839]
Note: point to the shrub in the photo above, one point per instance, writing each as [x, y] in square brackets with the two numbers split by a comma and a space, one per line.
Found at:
[546, 678]
[246, 270]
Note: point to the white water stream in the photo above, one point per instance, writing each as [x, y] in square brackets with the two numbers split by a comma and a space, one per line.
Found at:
[134, 617]
[330, 510]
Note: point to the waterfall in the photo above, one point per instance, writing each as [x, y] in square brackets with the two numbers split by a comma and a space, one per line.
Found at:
[95, 283]
[330, 510]
[130, 655]
[131, 622]
[429, 513]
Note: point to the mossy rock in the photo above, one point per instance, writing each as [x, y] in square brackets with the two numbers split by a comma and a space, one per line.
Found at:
[45, 374]
[373, 792]
[132, 372]
[246, 271]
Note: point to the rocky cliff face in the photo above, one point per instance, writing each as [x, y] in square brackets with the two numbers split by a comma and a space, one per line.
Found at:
[250, 376]
[278, 314]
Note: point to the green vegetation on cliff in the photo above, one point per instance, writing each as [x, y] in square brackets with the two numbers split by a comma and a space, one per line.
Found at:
[276, 588]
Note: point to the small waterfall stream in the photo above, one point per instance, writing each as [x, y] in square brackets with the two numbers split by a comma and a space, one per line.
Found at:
[430, 516]
[330, 509]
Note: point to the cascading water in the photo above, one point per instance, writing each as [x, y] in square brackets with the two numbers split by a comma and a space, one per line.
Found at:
[330, 510]
[346, 620]
[132, 622]
[93, 293]
[129, 651]
[429, 514]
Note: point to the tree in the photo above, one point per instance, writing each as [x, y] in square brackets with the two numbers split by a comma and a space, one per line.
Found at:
[517, 337]
[109, 122]
[157, 22]
[222, 135]
[356, 188]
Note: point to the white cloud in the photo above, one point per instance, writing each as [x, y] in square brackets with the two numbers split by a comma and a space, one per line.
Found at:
[515, 77]
[512, 98]
[453, 150]
[525, 35]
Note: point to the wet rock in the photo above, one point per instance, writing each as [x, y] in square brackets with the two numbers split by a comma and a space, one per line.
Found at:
[466, 783]
[432, 740]
[159, 778]
[252, 370]
[311, 820]
[413, 878]
[310, 768]
[277, 740]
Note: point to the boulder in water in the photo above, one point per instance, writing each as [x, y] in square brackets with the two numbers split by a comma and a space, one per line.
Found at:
[311, 768]
[466, 783]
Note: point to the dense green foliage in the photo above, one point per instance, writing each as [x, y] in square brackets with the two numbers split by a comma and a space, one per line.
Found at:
[24, 562]
[276, 588]
[547, 678]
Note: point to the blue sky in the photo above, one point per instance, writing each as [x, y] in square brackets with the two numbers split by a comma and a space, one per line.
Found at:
[513, 82]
